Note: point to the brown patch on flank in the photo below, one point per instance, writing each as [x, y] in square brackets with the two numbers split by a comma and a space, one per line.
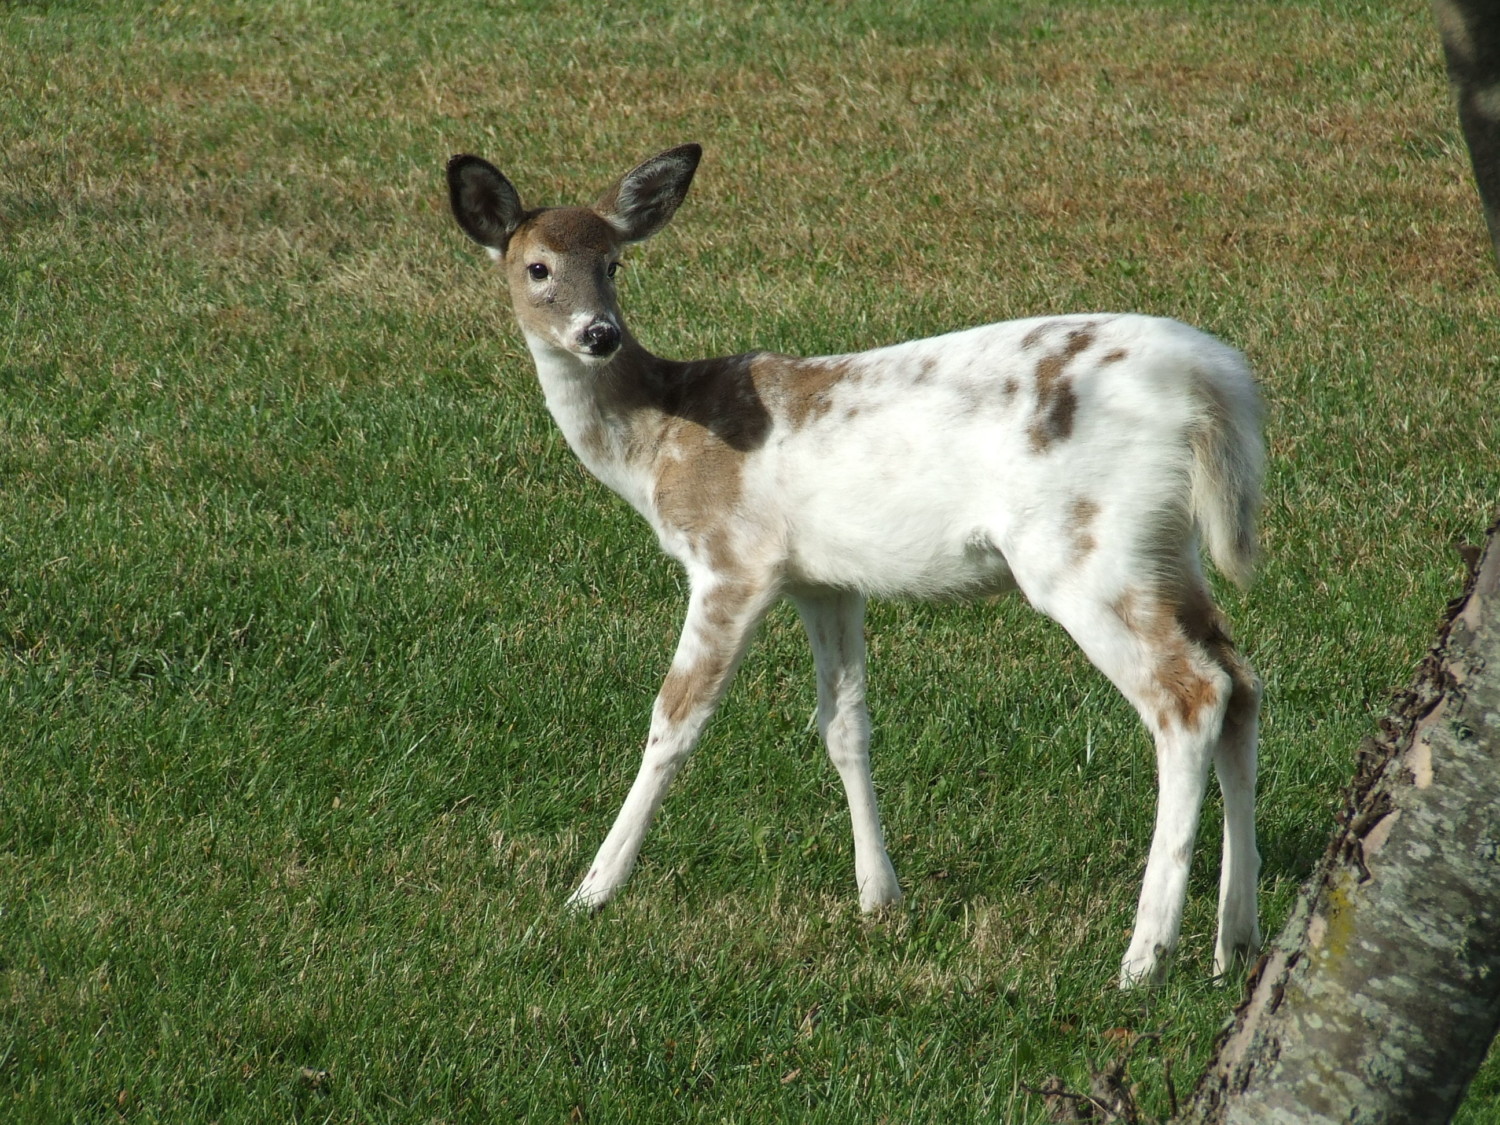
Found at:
[1203, 624]
[1055, 401]
[1081, 514]
[1011, 387]
[1113, 356]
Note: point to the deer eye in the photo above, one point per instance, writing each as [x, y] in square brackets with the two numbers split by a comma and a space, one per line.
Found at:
[613, 266]
[538, 272]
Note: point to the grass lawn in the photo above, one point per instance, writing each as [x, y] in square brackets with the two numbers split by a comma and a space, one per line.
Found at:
[324, 666]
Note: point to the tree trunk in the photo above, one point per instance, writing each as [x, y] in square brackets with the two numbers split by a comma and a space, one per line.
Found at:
[1378, 1001]
[1471, 44]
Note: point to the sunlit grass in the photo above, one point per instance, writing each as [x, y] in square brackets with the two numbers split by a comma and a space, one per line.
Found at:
[326, 667]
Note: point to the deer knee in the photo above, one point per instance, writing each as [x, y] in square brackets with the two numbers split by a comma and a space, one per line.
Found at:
[847, 734]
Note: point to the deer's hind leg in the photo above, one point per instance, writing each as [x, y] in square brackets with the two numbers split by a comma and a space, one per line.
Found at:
[1235, 764]
[1162, 644]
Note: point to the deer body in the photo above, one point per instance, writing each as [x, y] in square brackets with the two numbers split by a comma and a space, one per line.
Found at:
[1075, 458]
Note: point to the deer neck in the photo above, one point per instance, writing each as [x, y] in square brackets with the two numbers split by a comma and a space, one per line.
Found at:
[602, 409]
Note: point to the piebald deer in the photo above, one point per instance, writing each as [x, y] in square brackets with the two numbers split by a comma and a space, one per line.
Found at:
[1076, 458]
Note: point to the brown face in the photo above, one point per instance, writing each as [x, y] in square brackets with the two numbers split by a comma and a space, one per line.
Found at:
[560, 264]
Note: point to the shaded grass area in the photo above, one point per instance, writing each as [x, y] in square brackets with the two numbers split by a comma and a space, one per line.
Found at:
[325, 666]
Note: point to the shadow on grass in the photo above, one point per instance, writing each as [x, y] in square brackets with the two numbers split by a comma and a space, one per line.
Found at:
[1291, 852]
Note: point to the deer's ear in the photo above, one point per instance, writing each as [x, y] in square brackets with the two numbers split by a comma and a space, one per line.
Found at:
[483, 201]
[642, 201]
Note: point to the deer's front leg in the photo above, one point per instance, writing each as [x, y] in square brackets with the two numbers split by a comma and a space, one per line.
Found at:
[721, 619]
[835, 625]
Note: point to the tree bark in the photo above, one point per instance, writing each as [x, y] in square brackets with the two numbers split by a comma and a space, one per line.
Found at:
[1379, 999]
[1471, 45]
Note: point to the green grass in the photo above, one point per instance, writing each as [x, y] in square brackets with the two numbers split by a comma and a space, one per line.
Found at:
[325, 666]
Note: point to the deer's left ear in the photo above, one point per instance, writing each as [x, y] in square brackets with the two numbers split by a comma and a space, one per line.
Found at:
[642, 201]
[483, 201]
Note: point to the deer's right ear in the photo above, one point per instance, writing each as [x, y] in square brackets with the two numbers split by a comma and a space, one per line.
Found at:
[483, 201]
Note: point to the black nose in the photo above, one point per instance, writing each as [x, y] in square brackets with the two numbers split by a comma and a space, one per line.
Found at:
[602, 338]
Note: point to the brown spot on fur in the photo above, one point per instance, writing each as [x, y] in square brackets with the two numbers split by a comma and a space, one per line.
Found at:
[700, 683]
[697, 421]
[1055, 401]
[1113, 356]
[803, 389]
[1081, 515]
[1204, 624]
[681, 688]
[1049, 329]
[687, 688]
[695, 489]
[1011, 388]
[1182, 635]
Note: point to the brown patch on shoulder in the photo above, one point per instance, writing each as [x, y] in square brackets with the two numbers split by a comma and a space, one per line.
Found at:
[712, 417]
[1081, 514]
[698, 485]
[803, 388]
[723, 397]
[1055, 401]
